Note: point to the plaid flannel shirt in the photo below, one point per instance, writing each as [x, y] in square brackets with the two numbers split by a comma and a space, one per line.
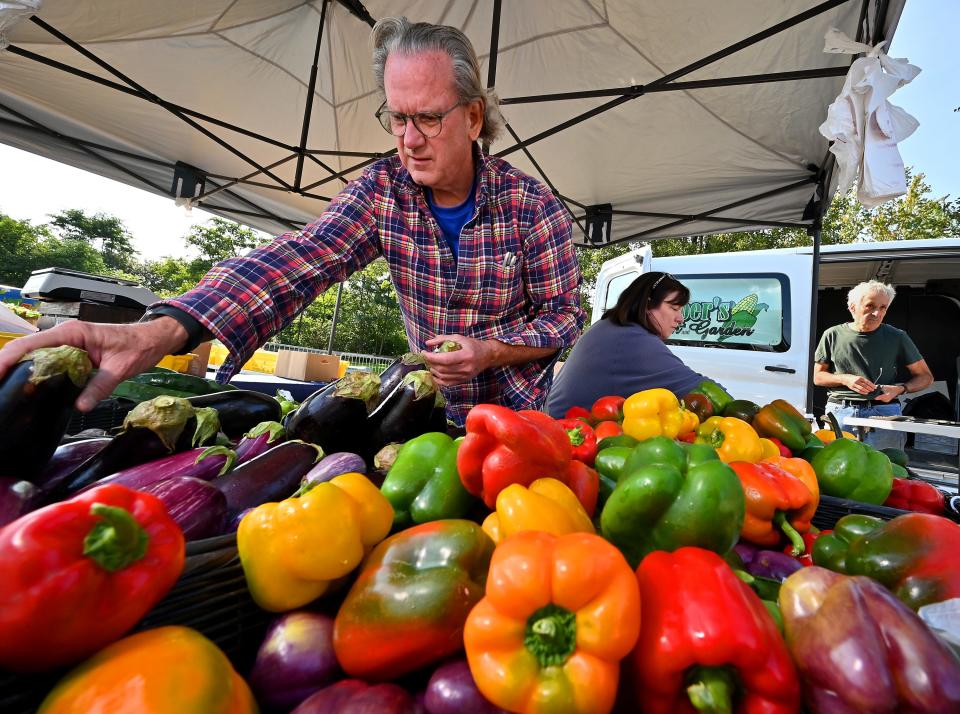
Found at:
[531, 300]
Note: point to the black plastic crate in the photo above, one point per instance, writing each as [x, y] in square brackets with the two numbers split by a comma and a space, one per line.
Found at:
[833, 509]
[107, 415]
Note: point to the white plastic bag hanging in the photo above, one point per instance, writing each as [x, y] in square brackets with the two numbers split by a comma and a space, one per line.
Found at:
[12, 12]
[864, 127]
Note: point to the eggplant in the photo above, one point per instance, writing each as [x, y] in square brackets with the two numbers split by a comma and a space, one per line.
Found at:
[352, 696]
[272, 476]
[343, 462]
[66, 458]
[262, 437]
[405, 413]
[397, 370]
[295, 660]
[383, 462]
[452, 690]
[36, 402]
[239, 410]
[198, 507]
[201, 463]
[16, 498]
[336, 419]
[153, 429]
[770, 564]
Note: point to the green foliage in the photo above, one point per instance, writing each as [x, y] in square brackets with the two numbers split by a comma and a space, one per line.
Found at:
[103, 232]
[220, 239]
[25, 248]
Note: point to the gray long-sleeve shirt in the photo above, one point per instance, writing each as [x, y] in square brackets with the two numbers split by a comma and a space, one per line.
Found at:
[612, 360]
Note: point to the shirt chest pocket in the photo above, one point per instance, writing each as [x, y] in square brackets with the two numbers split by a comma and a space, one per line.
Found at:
[496, 287]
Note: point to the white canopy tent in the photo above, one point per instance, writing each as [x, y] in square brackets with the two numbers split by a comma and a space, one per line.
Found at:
[672, 117]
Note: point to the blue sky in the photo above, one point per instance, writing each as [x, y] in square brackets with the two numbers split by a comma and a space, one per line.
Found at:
[32, 187]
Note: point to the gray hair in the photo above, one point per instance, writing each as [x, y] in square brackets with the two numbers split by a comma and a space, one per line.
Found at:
[871, 286]
[398, 34]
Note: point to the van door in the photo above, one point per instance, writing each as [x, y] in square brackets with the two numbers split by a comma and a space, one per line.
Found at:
[615, 276]
[747, 322]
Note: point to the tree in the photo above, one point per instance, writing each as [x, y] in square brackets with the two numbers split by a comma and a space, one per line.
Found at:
[220, 239]
[104, 232]
[25, 248]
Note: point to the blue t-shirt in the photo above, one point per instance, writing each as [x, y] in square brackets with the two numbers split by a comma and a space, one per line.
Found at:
[453, 219]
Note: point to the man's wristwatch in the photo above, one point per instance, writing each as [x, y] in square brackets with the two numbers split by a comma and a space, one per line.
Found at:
[195, 331]
[904, 387]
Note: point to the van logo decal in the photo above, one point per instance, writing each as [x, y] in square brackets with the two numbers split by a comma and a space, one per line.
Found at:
[721, 318]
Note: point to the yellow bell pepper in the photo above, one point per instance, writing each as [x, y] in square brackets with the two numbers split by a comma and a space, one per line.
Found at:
[769, 449]
[689, 421]
[652, 412]
[166, 670]
[547, 505]
[827, 435]
[733, 438]
[292, 550]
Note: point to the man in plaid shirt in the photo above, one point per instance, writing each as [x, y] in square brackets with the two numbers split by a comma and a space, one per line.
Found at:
[479, 253]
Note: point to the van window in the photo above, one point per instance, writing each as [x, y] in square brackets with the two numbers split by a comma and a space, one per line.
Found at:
[616, 286]
[747, 311]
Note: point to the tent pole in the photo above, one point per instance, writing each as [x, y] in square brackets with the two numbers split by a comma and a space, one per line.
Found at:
[494, 49]
[814, 287]
[311, 88]
[336, 314]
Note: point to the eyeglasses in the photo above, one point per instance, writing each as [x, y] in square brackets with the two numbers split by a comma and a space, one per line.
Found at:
[660, 280]
[430, 124]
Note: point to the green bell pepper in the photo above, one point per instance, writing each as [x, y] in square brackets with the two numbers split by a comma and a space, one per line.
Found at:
[669, 496]
[850, 469]
[830, 549]
[609, 465]
[423, 483]
[410, 601]
[779, 420]
[741, 409]
[618, 440]
[717, 395]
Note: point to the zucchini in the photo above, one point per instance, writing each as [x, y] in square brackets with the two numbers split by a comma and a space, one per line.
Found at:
[136, 392]
[180, 382]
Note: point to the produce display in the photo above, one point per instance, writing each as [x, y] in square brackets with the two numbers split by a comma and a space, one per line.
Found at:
[644, 553]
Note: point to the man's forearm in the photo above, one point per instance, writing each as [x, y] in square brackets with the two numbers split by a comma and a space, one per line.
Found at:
[502, 354]
[918, 382]
[828, 379]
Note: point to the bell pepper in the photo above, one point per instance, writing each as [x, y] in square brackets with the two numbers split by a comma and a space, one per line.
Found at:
[706, 641]
[896, 456]
[915, 495]
[809, 539]
[652, 412]
[670, 495]
[859, 649]
[292, 550]
[607, 409]
[689, 422]
[77, 575]
[423, 483]
[578, 413]
[583, 439]
[717, 395]
[734, 440]
[784, 451]
[618, 440]
[698, 404]
[167, 670]
[502, 447]
[607, 429]
[779, 419]
[547, 505]
[779, 502]
[769, 449]
[741, 409]
[827, 435]
[913, 555]
[854, 470]
[408, 605]
[559, 614]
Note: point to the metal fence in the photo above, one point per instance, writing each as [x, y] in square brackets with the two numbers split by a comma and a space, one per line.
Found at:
[371, 363]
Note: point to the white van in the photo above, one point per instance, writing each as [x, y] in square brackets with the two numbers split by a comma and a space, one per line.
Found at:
[748, 322]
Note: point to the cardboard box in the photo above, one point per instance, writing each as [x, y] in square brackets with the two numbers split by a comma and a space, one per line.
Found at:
[201, 356]
[307, 366]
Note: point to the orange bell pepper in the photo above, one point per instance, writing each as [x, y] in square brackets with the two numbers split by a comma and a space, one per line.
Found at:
[168, 670]
[559, 614]
[733, 438]
[547, 505]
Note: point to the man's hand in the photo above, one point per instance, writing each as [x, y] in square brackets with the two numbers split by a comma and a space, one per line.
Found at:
[120, 351]
[860, 385]
[458, 366]
[889, 393]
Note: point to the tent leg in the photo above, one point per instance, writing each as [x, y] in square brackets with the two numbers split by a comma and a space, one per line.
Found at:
[814, 287]
[336, 314]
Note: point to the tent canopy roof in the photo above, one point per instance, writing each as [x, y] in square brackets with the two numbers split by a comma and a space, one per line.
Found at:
[710, 124]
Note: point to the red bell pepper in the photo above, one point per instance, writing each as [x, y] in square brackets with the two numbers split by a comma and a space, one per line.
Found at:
[583, 439]
[809, 538]
[608, 409]
[578, 413]
[704, 634]
[502, 447]
[916, 495]
[605, 429]
[77, 575]
[784, 451]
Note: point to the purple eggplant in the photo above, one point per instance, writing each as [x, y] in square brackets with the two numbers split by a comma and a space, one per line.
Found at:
[336, 420]
[398, 369]
[352, 696]
[405, 413]
[153, 429]
[295, 660]
[16, 498]
[66, 458]
[202, 463]
[452, 690]
[769, 564]
[272, 476]
[239, 410]
[234, 521]
[195, 505]
[263, 437]
[331, 466]
[36, 403]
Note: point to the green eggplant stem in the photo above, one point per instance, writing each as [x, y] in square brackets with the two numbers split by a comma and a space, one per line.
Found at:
[117, 540]
[551, 635]
[795, 538]
[712, 690]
